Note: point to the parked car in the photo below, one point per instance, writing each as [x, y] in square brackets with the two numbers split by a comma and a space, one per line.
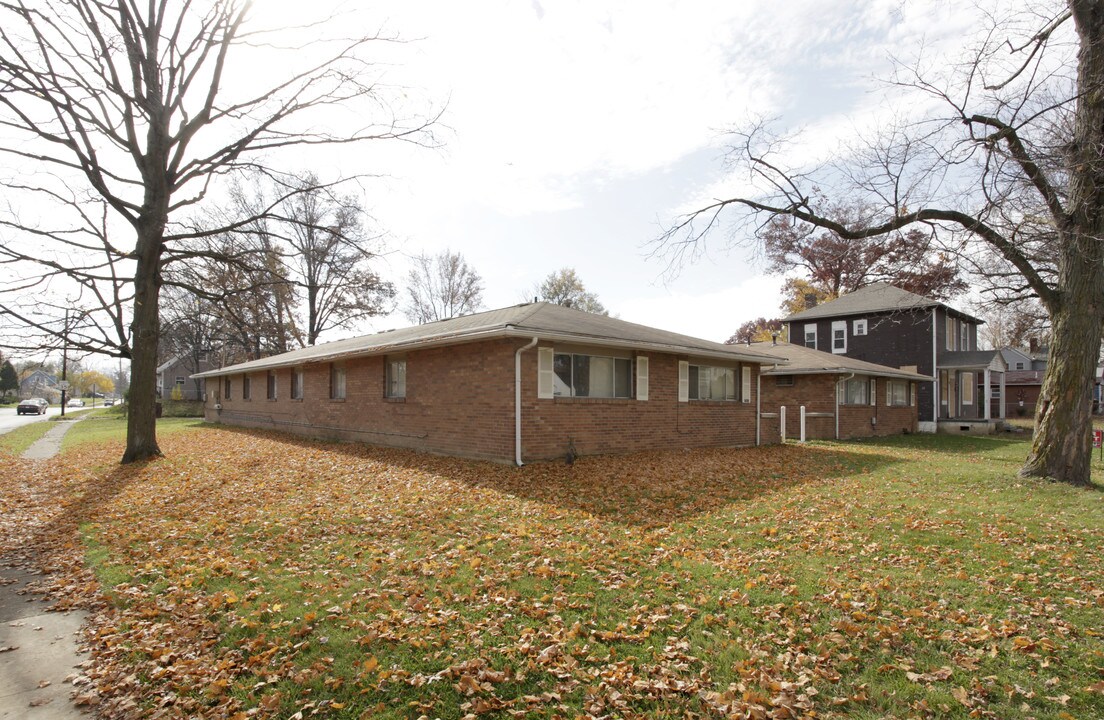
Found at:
[35, 406]
[75, 402]
[108, 402]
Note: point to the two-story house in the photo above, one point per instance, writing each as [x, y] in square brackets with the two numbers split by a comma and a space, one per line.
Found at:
[889, 326]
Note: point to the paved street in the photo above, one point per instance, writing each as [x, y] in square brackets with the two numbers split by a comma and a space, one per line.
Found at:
[9, 420]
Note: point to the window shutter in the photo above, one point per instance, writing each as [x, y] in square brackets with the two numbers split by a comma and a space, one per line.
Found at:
[546, 377]
[684, 381]
[889, 392]
[641, 377]
[745, 383]
[873, 392]
[912, 394]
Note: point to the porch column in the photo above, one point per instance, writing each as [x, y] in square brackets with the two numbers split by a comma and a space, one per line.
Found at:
[1004, 399]
[988, 396]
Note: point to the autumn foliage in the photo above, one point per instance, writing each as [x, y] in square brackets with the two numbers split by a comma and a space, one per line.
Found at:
[255, 575]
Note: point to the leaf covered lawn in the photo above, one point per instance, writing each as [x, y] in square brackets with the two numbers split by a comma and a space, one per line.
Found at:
[255, 575]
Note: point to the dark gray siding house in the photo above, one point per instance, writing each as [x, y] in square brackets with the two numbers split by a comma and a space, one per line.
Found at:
[886, 325]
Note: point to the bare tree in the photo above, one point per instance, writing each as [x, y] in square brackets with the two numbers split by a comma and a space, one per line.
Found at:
[119, 120]
[564, 287]
[1013, 160]
[440, 287]
[328, 258]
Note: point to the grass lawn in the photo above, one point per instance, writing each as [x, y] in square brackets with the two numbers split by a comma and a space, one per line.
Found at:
[14, 442]
[254, 575]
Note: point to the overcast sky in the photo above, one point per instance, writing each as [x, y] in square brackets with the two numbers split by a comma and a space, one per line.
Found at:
[573, 130]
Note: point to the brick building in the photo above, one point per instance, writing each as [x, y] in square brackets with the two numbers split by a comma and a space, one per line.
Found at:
[843, 397]
[529, 382]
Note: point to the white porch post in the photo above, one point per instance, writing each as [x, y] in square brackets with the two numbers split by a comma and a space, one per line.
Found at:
[1004, 400]
[988, 396]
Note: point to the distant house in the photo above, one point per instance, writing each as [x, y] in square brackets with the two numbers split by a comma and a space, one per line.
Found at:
[843, 397]
[1020, 359]
[175, 373]
[40, 383]
[530, 382]
[886, 325]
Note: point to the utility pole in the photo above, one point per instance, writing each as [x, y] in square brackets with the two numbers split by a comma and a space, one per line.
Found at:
[64, 384]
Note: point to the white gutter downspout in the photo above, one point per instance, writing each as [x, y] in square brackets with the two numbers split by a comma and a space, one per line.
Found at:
[936, 406]
[841, 380]
[517, 399]
[758, 402]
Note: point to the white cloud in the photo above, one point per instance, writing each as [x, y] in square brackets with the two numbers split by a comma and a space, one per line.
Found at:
[712, 316]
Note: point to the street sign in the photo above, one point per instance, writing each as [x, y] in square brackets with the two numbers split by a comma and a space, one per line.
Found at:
[1098, 438]
[64, 384]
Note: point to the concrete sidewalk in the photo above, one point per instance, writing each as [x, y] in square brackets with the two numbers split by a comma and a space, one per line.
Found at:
[38, 653]
[39, 656]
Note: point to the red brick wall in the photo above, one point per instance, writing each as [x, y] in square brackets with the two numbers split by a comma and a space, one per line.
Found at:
[460, 401]
[598, 426]
[817, 394]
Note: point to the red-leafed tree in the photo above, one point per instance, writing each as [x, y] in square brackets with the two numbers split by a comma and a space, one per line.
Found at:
[834, 266]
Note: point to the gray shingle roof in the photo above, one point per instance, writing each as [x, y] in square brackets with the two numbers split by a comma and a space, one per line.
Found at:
[879, 297]
[970, 359]
[547, 321]
[807, 361]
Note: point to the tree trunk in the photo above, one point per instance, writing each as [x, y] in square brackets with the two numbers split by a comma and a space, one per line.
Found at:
[145, 328]
[1062, 447]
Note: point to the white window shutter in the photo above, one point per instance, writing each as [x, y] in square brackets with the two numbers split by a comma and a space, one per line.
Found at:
[745, 383]
[546, 375]
[912, 394]
[684, 381]
[641, 377]
[889, 392]
[873, 391]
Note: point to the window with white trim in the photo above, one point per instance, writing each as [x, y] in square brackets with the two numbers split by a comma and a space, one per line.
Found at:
[950, 333]
[1019, 366]
[708, 382]
[596, 376]
[858, 327]
[964, 336]
[395, 382]
[337, 381]
[839, 336]
[810, 335]
[897, 393]
[745, 383]
[967, 392]
[179, 379]
[297, 383]
[854, 391]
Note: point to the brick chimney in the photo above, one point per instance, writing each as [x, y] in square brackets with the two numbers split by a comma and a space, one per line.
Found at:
[810, 300]
[1033, 345]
